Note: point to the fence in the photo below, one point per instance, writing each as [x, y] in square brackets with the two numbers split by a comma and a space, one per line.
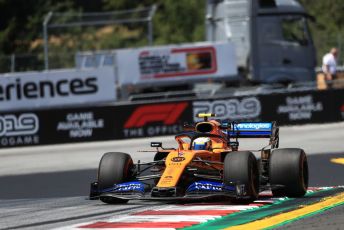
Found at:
[65, 34]
[35, 62]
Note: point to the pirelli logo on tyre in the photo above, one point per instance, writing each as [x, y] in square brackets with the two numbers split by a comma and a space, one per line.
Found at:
[156, 119]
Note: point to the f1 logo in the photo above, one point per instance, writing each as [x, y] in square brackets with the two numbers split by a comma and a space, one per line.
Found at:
[165, 113]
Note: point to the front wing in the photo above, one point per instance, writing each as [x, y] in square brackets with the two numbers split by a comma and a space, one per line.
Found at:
[201, 190]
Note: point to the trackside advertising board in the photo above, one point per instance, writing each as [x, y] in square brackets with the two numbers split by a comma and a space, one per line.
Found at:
[134, 120]
[57, 126]
[156, 119]
[175, 64]
[302, 107]
[247, 108]
[56, 88]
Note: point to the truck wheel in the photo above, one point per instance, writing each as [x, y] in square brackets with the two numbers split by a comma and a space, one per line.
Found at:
[241, 168]
[114, 168]
[288, 169]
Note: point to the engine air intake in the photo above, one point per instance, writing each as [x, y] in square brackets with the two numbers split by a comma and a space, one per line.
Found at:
[204, 127]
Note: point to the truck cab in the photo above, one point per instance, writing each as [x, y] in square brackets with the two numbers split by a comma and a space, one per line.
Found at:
[272, 40]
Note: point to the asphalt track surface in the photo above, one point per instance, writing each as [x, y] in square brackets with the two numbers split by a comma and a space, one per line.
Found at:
[46, 187]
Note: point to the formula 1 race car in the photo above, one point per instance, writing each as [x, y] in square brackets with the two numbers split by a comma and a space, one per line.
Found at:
[206, 164]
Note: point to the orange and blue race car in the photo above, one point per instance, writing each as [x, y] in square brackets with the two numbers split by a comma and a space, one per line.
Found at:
[206, 164]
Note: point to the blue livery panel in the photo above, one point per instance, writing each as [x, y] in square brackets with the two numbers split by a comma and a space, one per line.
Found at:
[251, 129]
[209, 187]
[128, 187]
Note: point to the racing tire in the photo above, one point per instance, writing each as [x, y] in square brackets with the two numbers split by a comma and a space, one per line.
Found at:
[114, 168]
[241, 168]
[289, 168]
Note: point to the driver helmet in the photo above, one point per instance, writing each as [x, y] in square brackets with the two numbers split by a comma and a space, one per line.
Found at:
[202, 143]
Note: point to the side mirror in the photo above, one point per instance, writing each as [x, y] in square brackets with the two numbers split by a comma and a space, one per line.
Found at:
[156, 144]
[188, 127]
[225, 124]
[234, 145]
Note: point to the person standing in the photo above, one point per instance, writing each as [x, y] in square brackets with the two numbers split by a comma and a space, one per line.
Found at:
[329, 66]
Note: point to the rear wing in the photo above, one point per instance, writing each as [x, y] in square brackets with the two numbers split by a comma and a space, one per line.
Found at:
[255, 130]
[252, 129]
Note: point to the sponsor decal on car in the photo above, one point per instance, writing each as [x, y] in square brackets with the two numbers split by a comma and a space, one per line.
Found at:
[157, 119]
[205, 186]
[16, 130]
[257, 129]
[300, 107]
[129, 187]
[178, 159]
[233, 109]
[166, 179]
[133, 186]
[263, 126]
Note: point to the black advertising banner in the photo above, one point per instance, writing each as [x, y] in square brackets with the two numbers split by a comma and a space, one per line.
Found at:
[247, 108]
[338, 96]
[163, 118]
[145, 120]
[77, 125]
[57, 126]
[92, 124]
[299, 107]
[19, 129]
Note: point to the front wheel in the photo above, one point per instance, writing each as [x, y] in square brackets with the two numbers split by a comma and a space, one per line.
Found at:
[241, 168]
[114, 168]
[288, 172]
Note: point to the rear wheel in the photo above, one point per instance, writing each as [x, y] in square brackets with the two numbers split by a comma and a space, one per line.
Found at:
[114, 168]
[289, 170]
[241, 168]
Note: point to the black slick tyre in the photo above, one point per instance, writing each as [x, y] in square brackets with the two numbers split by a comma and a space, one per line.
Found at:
[114, 168]
[288, 172]
[241, 168]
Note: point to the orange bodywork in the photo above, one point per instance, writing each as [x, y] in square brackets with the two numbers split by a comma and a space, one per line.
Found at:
[175, 166]
[177, 160]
